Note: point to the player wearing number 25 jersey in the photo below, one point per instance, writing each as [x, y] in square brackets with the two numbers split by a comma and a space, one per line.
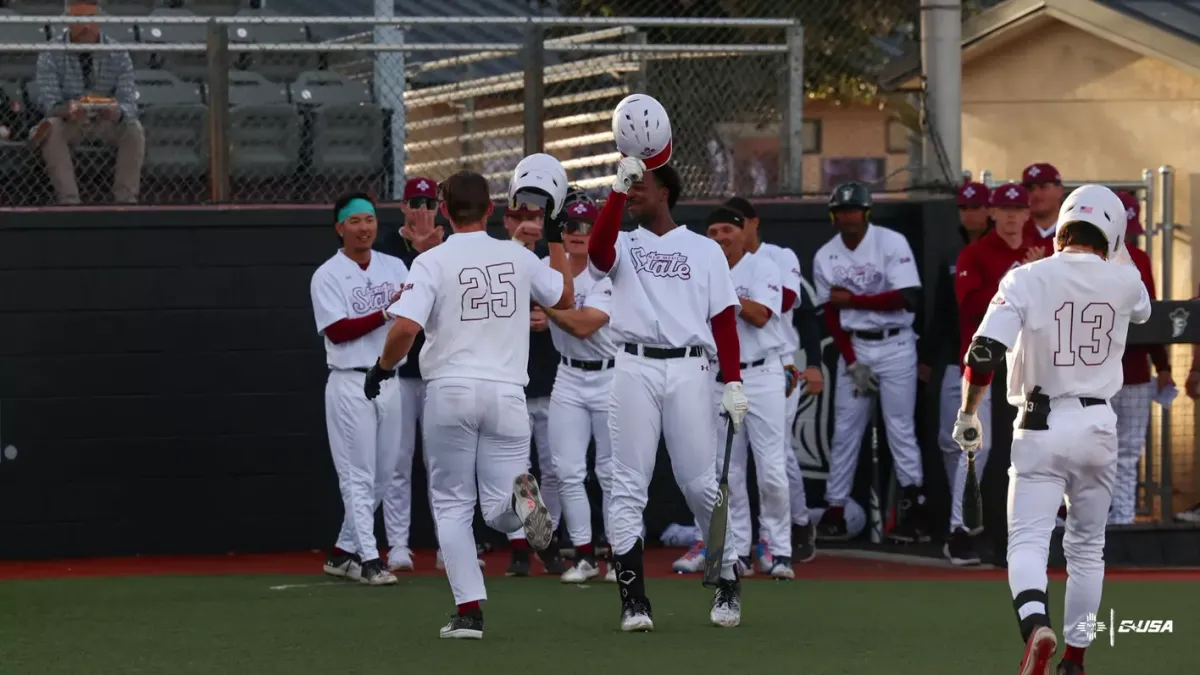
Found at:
[471, 295]
[1063, 323]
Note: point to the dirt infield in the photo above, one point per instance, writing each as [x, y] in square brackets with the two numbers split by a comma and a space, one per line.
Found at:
[827, 566]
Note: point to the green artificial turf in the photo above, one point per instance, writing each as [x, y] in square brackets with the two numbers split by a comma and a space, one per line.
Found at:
[184, 625]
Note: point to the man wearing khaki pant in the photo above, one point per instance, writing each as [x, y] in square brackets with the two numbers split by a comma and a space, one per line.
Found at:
[88, 96]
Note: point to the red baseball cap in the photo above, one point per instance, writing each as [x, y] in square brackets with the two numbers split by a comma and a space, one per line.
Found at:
[582, 211]
[1133, 213]
[973, 194]
[1042, 172]
[1010, 195]
[420, 186]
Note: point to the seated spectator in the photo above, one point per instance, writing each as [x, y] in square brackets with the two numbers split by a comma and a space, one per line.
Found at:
[88, 96]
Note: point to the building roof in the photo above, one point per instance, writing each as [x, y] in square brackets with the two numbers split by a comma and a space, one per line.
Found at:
[1168, 30]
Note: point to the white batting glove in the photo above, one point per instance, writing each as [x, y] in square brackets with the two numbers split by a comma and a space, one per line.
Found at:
[734, 404]
[968, 433]
[629, 171]
[865, 379]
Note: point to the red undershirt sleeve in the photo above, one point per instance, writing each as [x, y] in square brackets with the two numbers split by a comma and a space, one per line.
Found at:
[729, 349]
[977, 378]
[789, 300]
[841, 339]
[880, 302]
[602, 246]
[345, 330]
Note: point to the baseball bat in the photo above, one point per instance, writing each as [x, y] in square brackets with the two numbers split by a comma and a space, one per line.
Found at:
[715, 543]
[876, 512]
[972, 499]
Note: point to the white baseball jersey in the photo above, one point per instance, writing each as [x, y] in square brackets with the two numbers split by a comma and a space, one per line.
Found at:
[665, 289]
[589, 292]
[1064, 320]
[882, 262]
[756, 278]
[789, 274]
[472, 295]
[342, 290]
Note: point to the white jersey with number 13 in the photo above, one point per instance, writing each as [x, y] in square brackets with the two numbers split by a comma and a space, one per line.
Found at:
[1064, 320]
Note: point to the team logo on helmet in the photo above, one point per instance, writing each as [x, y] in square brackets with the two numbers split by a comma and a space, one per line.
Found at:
[422, 185]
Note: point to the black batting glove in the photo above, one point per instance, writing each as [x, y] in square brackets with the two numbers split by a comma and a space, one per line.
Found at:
[375, 377]
[552, 228]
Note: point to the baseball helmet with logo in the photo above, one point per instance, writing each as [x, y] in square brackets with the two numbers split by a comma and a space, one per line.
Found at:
[850, 195]
[643, 130]
[539, 175]
[1099, 206]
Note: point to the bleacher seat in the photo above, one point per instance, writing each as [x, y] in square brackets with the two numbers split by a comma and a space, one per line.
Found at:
[39, 7]
[175, 120]
[187, 65]
[280, 66]
[345, 124]
[264, 128]
[125, 33]
[204, 7]
[128, 7]
[19, 66]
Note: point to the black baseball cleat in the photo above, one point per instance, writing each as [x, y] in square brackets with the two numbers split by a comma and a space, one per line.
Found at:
[375, 574]
[552, 559]
[911, 527]
[804, 542]
[636, 616]
[343, 566]
[1069, 668]
[833, 525]
[960, 549]
[463, 627]
[518, 564]
[727, 604]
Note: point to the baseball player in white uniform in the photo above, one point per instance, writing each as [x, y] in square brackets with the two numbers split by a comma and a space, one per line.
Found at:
[580, 399]
[674, 304]
[471, 295]
[868, 281]
[1062, 322]
[350, 292]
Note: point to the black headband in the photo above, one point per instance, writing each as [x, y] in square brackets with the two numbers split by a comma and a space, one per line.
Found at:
[724, 214]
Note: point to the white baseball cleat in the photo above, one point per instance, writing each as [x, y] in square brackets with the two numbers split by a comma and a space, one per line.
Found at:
[611, 576]
[727, 604]
[692, 561]
[374, 574]
[635, 616]
[527, 502]
[400, 560]
[441, 564]
[581, 572]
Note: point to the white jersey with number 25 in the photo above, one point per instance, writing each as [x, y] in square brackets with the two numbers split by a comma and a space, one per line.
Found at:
[1064, 320]
[472, 294]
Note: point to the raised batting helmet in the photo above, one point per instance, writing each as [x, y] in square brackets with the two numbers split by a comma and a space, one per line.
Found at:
[539, 174]
[642, 129]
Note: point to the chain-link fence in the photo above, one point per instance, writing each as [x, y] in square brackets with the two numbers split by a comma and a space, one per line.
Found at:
[265, 108]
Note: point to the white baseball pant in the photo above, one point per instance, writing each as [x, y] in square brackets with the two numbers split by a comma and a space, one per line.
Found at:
[397, 504]
[952, 455]
[795, 476]
[1132, 405]
[476, 440]
[894, 360]
[578, 413]
[363, 440]
[1075, 457]
[672, 398]
[538, 410]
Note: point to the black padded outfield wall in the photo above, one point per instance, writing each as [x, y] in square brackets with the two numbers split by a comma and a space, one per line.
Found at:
[161, 379]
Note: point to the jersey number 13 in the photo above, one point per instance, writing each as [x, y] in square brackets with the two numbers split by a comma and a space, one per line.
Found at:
[1085, 335]
[488, 292]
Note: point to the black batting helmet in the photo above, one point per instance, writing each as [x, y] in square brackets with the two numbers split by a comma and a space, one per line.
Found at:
[850, 195]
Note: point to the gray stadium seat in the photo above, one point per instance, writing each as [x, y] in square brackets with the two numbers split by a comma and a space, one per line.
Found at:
[19, 66]
[39, 7]
[175, 119]
[128, 7]
[188, 65]
[347, 126]
[277, 66]
[264, 128]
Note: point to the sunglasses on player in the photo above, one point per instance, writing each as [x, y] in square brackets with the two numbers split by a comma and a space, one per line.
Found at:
[417, 203]
[577, 227]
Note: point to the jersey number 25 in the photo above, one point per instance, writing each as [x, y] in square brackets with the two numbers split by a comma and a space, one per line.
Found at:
[1086, 335]
[488, 292]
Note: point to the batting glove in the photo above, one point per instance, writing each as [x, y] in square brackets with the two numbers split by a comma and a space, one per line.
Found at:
[629, 171]
[968, 433]
[791, 378]
[734, 404]
[865, 379]
[375, 378]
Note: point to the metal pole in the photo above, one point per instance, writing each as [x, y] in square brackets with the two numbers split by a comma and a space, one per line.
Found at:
[535, 89]
[637, 78]
[1167, 176]
[941, 65]
[389, 89]
[793, 148]
[218, 112]
[1148, 214]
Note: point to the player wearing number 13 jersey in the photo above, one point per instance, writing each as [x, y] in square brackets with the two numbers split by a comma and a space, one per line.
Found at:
[472, 295]
[1063, 323]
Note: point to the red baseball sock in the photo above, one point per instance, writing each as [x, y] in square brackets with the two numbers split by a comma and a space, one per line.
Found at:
[520, 544]
[583, 549]
[468, 608]
[1074, 654]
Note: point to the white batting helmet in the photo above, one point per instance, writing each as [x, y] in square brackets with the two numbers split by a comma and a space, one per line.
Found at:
[1099, 206]
[539, 174]
[643, 130]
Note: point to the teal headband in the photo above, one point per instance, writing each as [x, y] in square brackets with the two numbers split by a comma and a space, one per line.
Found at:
[354, 207]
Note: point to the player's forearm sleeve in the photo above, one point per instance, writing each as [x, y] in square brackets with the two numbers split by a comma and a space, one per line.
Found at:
[808, 331]
[345, 330]
[1158, 356]
[602, 246]
[841, 339]
[879, 302]
[729, 348]
[789, 300]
